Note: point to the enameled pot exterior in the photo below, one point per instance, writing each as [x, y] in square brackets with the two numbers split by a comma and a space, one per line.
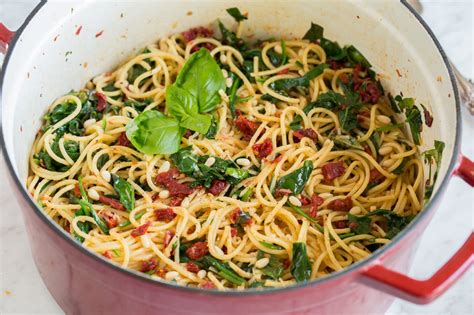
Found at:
[63, 45]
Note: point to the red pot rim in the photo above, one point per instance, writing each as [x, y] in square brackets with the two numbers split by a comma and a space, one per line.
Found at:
[143, 277]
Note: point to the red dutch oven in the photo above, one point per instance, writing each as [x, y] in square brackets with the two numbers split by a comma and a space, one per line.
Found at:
[62, 45]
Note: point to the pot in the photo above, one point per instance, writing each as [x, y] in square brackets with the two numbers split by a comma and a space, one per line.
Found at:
[62, 45]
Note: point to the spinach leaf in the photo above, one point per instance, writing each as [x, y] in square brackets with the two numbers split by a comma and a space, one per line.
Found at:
[186, 161]
[134, 72]
[138, 106]
[230, 38]
[151, 132]
[287, 84]
[202, 78]
[356, 57]
[236, 175]
[347, 119]
[305, 215]
[182, 105]
[72, 149]
[333, 50]
[235, 13]
[433, 156]
[401, 168]
[223, 269]
[102, 160]
[359, 225]
[232, 92]
[271, 246]
[389, 127]
[345, 142]
[395, 223]
[283, 53]
[88, 209]
[275, 58]
[274, 269]
[125, 191]
[127, 222]
[300, 264]
[404, 103]
[314, 33]
[295, 181]
[413, 116]
[257, 284]
[393, 104]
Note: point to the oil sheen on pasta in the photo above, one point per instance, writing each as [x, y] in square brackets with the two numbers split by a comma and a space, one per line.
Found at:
[303, 172]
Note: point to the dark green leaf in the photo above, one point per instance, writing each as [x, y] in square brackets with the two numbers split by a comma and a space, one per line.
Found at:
[212, 131]
[413, 116]
[359, 225]
[235, 13]
[271, 246]
[274, 269]
[314, 33]
[125, 191]
[347, 119]
[395, 223]
[283, 53]
[393, 104]
[127, 222]
[287, 84]
[305, 215]
[300, 264]
[345, 142]
[223, 270]
[236, 175]
[401, 168]
[357, 58]
[295, 181]
[134, 72]
[186, 161]
[389, 127]
[247, 195]
[230, 38]
[151, 132]
[232, 91]
[102, 160]
[202, 78]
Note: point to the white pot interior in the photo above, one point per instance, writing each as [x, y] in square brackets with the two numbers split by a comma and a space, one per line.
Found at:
[49, 59]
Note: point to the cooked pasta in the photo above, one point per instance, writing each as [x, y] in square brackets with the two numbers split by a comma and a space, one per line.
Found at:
[296, 170]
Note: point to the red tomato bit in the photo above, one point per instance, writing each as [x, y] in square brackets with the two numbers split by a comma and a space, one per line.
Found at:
[141, 230]
[263, 149]
[217, 186]
[341, 204]
[301, 133]
[114, 203]
[197, 250]
[166, 214]
[333, 170]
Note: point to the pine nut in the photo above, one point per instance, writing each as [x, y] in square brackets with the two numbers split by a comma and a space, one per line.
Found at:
[326, 195]
[164, 194]
[388, 163]
[93, 194]
[165, 167]
[384, 119]
[89, 122]
[210, 161]
[243, 162]
[225, 73]
[261, 263]
[278, 49]
[218, 250]
[171, 275]
[385, 150]
[295, 201]
[105, 175]
[223, 58]
[228, 82]
[355, 210]
[201, 274]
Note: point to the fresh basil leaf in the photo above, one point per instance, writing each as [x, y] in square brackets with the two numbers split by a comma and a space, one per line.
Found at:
[182, 105]
[404, 103]
[125, 191]
[300, 264]
[202, 78]
[151, 132]
[314, 33]
[295, 181]
[235, 13]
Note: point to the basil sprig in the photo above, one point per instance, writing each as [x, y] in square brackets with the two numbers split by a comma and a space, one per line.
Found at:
[296, 180]
[194, 94]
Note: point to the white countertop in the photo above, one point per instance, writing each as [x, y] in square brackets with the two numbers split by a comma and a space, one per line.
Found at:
[23, 292]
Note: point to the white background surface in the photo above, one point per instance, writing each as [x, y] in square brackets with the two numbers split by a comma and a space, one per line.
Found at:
[23, 292]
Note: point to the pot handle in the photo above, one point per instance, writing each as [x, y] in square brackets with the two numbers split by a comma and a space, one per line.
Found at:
[425, 291]
[5, 36]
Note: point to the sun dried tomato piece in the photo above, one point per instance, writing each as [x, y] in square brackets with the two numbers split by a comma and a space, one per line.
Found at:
[166, 214]
[316, 201]
[197, 250]
[141, 230]
[192, 267]
[233, 232]
[196, 32]
[280, 192]
[263, 149]
[168, 237]
[376, 177]
[110, 218]
[217, 186]
[107, 254]
[168, 179]
[301, 133]
[114, 203]
[247, 127]
[123, 140]
[101, 101]
[340, 224]
[149, 265]
[333, 170]
[207, 285]
[176, 201]
[305, 200]
[341, 204]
